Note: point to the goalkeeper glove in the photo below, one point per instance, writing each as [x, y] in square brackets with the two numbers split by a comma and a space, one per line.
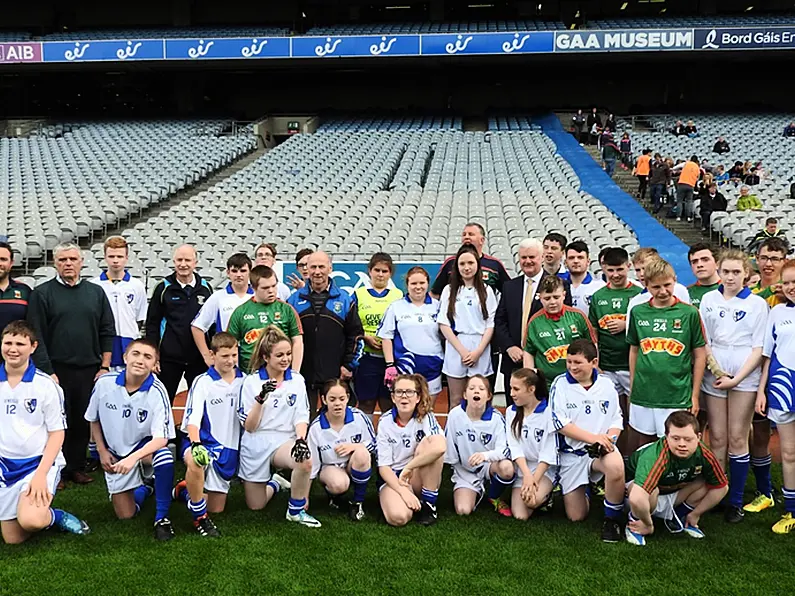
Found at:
[267, 388]
[390, 374]
[715, 368]
[596, 450]
[201, 456]
[300, 451]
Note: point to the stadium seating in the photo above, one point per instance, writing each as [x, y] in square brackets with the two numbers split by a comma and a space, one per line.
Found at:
[353, 190]
[6, 36]
[189, 32]
[742, 20]
[454, 27]
[75, 185]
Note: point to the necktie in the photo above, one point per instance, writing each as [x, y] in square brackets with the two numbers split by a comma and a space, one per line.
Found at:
[528, 300]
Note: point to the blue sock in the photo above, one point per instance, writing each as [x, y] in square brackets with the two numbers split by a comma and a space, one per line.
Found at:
[140, 494]
[761, 467]
[163, 463]
[295, 506]
[613, 510]
[57, 518]
[274, 485]
[198, 509]
[92, 451]
[738, 474]
[429, 496]
[789, 500]
[360, 480]
[683, 510]
[498, 485]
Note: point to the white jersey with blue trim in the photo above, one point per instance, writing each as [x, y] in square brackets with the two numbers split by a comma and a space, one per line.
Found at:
[396, 444]
[581, 295]
[287, 406]
[466, 437]
[130, 421]
[416, 341]
[536, 442]
[735, 323]
[780, 348]
[322, 438]
[596, 409]
[28, 413]
[468, 314]
[128, 301]
[219, 308]
[212, 407]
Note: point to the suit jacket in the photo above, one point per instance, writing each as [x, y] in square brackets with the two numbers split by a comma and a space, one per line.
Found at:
[508, 319]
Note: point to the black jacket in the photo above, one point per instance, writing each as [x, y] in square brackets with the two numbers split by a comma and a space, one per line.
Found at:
[721, 147]
[508, 319]
[710, 204]
[171, 311]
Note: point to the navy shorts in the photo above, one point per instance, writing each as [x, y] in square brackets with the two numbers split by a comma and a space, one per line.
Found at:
[368, 380]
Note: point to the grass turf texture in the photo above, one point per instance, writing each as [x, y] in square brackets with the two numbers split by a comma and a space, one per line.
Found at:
[260, 552]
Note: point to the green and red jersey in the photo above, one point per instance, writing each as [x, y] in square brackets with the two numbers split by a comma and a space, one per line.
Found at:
[549, 336]
[609, 304]
[249, 320]
[697, 292]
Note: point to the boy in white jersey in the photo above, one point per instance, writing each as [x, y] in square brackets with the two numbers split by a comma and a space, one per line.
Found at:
[342, 440]
[220, 306]
[586, 416]
[411, 450]
[477, 450]
[583, 284]
[212, 427]
[131, 422]
[32, 425]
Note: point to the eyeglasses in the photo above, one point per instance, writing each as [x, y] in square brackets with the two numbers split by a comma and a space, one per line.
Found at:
[405, 392]
[769, 259]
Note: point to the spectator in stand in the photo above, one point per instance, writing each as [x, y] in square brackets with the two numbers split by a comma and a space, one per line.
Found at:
[761, 171]
[679, 129]
[747, 168]
[690, 130]
[611, 123]
[771, 230]
[577, 126]
[789, 130]
[689, 175]
[642, 170]
[747, 201]
[711, 201]
[721, 175]
[659, 179]
[610, 153]
[625, 145]
[595, 134]
[721, 146]
[594, 118]
[752, 178]
[736, 173]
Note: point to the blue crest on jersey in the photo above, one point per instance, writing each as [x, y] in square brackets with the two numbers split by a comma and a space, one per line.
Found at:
[356, 438]
[141, 415]
[291, 399]
[485, 438]
[420, 435]
[130, 298]
[337, 308]
[603, 405]
[539, 434]
[30, 405]
[588, 300]
[739, 315]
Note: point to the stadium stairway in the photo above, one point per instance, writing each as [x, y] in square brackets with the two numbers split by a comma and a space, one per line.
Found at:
[594, 181]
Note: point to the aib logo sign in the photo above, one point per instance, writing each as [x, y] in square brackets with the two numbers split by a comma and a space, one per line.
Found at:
[20, 52]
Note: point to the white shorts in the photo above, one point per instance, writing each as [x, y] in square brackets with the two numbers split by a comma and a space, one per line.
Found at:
[453, 367]
[213, 482]
[475, 481]
[780, 416]
[650, 421]
[121, 483]
[731, 361]
[256, 452]
[435, 386]
[576, 471]
[9, 495]
[551, 473]
[665, 505]
[620, 379]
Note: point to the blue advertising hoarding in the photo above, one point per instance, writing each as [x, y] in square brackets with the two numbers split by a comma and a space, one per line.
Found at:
[487, 43]
[745, 38]
[353, 275]
[230, 48]
[97, 51]
[359, 46]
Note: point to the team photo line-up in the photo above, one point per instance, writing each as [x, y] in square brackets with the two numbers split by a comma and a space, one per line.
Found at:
[606, 379]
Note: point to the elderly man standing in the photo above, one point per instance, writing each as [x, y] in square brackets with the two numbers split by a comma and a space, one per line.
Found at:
[175, 303]
[332, 328]
[519, 301]
[75, 328]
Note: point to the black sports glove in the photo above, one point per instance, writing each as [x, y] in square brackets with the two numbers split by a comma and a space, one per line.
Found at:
[300, 450]
[267, 388]
[596, 450]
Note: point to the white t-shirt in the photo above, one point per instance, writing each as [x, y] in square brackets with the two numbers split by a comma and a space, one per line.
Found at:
[219, 308]
[128, 301]
[737, 322]
[465, 437]
[581, 295]
[417, 343]
[536, 441]
[287, 406]
[468, 314]
[322, 438]
[396, 444]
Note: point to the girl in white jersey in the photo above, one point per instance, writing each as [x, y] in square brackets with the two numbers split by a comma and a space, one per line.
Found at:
[528, 425]
[274, 410]
[778, 378]
[342, 440]
[466, 319]
[477, 450]
[734, 325]
[410, 336]
[410, 447]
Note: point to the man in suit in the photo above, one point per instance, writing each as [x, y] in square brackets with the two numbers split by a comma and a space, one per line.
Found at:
[518, 302]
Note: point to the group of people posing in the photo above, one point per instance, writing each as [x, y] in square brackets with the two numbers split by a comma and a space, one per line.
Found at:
[604, 379]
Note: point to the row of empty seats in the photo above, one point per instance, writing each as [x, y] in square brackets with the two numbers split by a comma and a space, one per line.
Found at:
[63, 189]
[430, 28]
[748, 19]
[406, 192]
[168, 33]
[512, 123]
[381, 123]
